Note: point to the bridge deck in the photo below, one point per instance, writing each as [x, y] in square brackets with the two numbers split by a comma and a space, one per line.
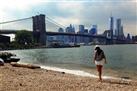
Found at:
[55, 33]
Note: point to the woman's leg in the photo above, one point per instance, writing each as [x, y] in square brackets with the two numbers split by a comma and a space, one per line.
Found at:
[99, 68]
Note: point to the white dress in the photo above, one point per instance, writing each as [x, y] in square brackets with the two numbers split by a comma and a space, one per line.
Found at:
[101, 62]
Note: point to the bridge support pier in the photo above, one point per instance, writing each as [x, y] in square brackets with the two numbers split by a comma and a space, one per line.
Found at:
[39, 29]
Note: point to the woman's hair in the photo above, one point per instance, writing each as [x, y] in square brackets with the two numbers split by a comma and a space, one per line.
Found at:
[98, 50]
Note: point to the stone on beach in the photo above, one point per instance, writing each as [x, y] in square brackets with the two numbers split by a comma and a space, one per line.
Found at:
[1, 62]
[24, 65]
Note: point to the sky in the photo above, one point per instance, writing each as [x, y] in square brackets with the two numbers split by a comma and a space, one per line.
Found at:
[76, 12]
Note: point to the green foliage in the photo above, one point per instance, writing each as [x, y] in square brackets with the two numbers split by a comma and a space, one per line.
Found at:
[24, 37]
[14, 45]
[5, 55]
[2, 46]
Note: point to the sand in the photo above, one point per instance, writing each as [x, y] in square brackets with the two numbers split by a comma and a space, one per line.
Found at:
[25, 79]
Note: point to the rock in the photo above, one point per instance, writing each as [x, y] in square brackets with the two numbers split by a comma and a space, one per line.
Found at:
[63, 72]
[1, 62]
[20, 84]
[125, 77]
[7, 57]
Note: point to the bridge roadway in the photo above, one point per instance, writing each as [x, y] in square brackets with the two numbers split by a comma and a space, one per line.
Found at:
[64, 33]
[56, 33]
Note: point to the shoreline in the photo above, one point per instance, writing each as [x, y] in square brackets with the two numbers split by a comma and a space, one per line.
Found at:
[24, 79]
[64, 47]
[80, 72]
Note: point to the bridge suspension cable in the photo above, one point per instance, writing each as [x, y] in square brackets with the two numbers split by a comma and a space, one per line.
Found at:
[54, 22]
[15, 20]
[49, 21]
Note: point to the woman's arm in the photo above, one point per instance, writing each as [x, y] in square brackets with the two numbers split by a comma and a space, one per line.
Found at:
[104, 57]
[105, 60]
[94, 57]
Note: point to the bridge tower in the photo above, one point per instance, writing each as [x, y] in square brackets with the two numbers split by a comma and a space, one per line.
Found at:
[39, 29]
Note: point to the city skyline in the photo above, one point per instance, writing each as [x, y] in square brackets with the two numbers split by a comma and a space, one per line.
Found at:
[79, 12]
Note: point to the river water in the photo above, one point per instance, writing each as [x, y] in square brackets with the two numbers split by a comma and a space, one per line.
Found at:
[122, 59]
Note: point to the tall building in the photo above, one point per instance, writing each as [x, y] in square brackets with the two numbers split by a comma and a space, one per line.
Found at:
[128, 36]
[93, 30]
[67, 29]
[129, 39]
[81, 28]
[111, 26]
[86, 39]
[86, 31]
[121, 33]
[81, 31]
[60, 37]
[70, 39]
[70, 29]
[119, 29]
[61, 30]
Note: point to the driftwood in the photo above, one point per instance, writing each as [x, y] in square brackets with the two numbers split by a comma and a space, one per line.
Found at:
[24, 65]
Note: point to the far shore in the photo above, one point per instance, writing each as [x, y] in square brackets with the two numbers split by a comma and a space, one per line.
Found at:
[40, 47]
[25, 79]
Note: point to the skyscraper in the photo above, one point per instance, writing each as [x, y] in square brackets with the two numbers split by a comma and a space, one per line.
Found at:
[70, 39]
[81, 28]
[128, 36]
[61, 30]
[70, 29]
[80, 39]
[121, 31]
[118, 27]
[61, 37]
[93, 30]
[111, 26]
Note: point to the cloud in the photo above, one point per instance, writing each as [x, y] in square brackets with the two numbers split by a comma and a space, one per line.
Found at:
[10, 9]
[86, 12]
[18, 4]
[97, 12]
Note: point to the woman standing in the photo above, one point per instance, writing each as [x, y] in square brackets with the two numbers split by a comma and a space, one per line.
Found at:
[99, 60]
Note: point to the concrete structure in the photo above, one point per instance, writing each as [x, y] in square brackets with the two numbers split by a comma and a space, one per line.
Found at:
[61, 37]
[81, 29]
[70, 39]
[86, 39]
[107, 34]
[134, 39]
[119, 29]
[39, 29]
[111, 28]
[4, 39]
[93, 30]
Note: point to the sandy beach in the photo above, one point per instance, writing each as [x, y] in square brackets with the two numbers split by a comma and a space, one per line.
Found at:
[25, 79]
